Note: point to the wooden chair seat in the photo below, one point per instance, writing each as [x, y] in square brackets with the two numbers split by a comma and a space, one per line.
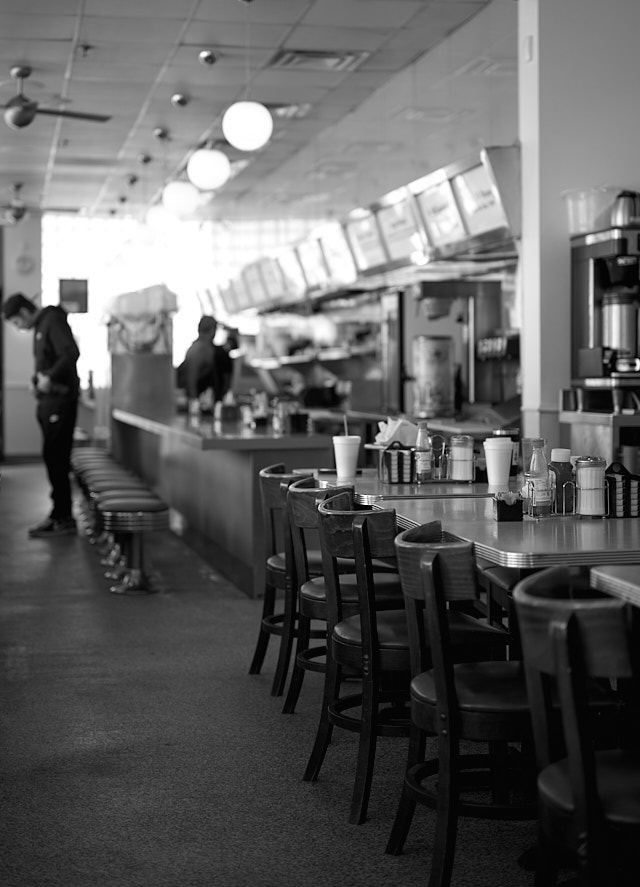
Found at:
[313, 594]
[481, 688]
[618, 778]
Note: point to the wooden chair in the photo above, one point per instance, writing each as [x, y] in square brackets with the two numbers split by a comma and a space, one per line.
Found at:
[575, 642]
[303, 498]
[278, 556]
[459, 691]
[373, 646]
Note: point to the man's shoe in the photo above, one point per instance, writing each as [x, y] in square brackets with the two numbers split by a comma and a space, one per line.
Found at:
[50, 528]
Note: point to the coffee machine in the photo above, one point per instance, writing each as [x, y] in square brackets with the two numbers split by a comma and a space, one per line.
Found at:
[602, 407]
[605, 311]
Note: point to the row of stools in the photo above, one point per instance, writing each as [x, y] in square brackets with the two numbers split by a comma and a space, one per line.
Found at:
[119, 509]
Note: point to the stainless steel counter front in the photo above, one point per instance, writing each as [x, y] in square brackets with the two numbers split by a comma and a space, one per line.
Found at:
[208, 475]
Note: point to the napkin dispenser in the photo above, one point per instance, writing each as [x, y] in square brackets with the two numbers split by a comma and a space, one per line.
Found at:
[396, 464]
[507, 506]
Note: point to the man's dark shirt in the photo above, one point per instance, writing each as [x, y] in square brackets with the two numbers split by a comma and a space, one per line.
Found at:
[55, 351]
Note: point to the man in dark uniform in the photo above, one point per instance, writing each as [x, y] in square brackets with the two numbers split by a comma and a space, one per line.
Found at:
[205, 366]
[56, 387]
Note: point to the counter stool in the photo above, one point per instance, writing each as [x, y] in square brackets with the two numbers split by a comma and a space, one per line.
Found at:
[130, 518]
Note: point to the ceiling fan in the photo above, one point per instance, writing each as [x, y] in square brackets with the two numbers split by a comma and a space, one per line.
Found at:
[20, 111]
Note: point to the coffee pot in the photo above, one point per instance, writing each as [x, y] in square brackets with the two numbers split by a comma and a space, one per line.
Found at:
[626, 209]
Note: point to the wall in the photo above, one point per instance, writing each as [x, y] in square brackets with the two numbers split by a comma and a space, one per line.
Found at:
[20, 273]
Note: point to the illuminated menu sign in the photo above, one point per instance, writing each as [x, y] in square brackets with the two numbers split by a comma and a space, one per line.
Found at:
[399, 229]
[313, 264]
[365, 242]
[253, 280]
[243, 297]
[294, 281]
[338, 256]
[478, 201]
[441, 214]
[272, 278]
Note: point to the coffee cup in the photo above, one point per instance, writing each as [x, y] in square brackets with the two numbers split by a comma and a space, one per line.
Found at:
[498, 453]
[346, 449]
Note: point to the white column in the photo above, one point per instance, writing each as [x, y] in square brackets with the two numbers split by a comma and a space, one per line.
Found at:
[579, 70]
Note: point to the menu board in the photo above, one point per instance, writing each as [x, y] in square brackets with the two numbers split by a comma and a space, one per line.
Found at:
[478, 201]
[255, 286]
[313, 264]
[337, 254]
[365, 242]
[399, 229]
[243, 296]
[294, 281]
[228, 298]
[441, 214]
[272, 278]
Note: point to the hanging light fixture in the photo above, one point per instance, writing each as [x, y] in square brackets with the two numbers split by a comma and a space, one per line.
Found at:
[180, 198]
[247, 125]
[208, 168]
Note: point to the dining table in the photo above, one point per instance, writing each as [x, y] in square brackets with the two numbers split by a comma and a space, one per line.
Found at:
[468, 512]
[619, 580]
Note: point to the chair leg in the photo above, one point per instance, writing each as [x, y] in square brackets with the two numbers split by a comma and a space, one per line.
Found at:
[268, 607]
[546, 862]
[407, 805]
[297, 673]
[446, 813]
[286, 641]
[325, 728]
[366, 752]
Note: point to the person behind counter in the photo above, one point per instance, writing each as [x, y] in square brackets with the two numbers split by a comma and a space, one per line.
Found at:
[56, 387]
[206, 368]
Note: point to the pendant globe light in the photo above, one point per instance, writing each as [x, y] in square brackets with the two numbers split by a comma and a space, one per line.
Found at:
[181, 198]
[246, 124]
[208, 168]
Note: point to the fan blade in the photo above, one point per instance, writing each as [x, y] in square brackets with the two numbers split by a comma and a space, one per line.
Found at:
[77, 115]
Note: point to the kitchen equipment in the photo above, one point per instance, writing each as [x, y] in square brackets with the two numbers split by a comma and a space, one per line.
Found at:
[434, 375]
[620, 321]
[626, 209]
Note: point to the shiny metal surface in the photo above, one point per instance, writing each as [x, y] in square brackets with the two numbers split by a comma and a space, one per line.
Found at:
[621, 581]
[531, 544]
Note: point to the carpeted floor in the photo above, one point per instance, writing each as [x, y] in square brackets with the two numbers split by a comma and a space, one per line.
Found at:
[136, 751]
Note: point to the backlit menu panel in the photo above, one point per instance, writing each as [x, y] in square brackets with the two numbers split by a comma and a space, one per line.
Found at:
[272, 278]
[313, 264]
[441, 214]
[365, 241]
[478, 200]
[255, 286]
[399, 229]
[342, 268]
[294, 281]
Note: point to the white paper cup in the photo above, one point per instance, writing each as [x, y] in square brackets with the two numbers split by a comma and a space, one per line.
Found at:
[346, 449]
[498, 452]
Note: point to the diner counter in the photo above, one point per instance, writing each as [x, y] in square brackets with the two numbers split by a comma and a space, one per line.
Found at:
[208, 473]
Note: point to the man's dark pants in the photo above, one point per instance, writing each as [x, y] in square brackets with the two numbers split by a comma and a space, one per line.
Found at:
[57, 420]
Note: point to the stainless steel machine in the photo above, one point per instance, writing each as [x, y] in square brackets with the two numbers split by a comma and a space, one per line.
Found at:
[602, 407]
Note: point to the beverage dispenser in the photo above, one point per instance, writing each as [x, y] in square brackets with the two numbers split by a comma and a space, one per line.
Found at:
[602, 407]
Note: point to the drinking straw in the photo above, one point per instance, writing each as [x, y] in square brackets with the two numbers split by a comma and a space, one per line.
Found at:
[346, 425]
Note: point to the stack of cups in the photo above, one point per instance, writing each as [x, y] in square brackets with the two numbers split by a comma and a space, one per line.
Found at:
[498, 453]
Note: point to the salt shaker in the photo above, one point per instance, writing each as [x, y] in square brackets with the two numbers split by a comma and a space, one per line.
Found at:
[590, 486]
[460, 465]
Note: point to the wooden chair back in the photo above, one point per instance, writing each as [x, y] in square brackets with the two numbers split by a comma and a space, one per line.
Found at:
[273, 505]
[303, 498]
